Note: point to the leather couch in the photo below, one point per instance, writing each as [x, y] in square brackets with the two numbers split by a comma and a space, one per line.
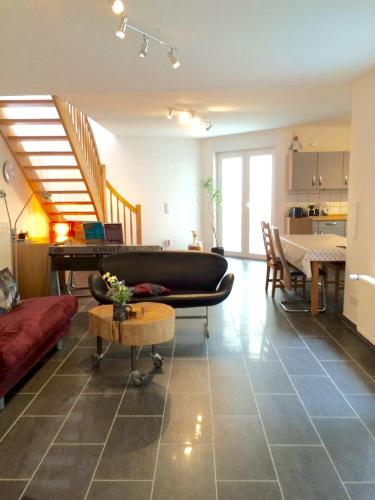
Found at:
[195, 279]
[28, 333]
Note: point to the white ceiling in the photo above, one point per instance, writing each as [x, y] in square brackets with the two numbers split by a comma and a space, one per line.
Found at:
[246, 65]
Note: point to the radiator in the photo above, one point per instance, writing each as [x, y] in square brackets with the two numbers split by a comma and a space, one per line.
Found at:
[5, 255]
[366, 309]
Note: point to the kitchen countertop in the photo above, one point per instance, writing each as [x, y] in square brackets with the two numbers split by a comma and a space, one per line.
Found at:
[335, 217]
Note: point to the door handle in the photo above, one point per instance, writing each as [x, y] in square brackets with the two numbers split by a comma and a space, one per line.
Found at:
[346, 179]
[320, 180]
[313, 180]
[331, 223]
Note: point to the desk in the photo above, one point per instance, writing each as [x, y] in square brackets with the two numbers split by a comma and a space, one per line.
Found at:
[307, 251]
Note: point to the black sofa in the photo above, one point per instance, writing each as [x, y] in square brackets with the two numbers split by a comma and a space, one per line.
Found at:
[195, 279]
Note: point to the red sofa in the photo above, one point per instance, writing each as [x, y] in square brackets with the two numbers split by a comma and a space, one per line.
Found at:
[28, 332]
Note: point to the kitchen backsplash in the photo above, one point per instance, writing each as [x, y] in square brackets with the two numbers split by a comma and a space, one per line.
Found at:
[335, 201]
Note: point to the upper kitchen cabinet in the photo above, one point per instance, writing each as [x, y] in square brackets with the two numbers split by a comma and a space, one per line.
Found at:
[318, 171]
[330, 170]
[345, 174]
[303, 170]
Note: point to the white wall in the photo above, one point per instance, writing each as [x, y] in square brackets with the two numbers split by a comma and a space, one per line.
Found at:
[333, 138]
[360, 298]
[152, 171]
[32, 220]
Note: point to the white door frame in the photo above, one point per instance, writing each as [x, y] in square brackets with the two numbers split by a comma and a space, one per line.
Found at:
[245, 154]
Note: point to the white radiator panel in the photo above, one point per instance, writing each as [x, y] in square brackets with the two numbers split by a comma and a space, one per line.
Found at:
[5, 255]
[366, 310]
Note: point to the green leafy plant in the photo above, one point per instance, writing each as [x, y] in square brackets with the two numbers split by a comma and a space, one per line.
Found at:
[117, 290]
[213, 198]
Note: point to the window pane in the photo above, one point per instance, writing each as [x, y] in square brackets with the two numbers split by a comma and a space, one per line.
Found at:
[231, 176]
[260, 200]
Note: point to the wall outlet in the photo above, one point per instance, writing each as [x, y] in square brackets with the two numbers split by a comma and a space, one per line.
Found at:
[166, 243]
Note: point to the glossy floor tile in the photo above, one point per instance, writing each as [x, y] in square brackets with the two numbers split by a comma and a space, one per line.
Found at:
[65, 473]
[285, 420]
[351, 447]
[185, 471]
[306, 473]
[225, 418]
[241, 449]
[248, 490]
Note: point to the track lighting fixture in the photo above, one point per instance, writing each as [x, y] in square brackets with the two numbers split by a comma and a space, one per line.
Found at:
[120, 33]
[189, 117]
[118, 7]
[175, 62]
[144, 48]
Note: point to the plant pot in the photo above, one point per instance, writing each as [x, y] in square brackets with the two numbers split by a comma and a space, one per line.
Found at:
[120, 311]
[218, 250]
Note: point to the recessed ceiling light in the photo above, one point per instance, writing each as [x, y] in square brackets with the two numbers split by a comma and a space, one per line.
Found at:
[118, 7]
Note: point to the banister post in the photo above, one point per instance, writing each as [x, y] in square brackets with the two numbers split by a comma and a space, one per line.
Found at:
[104, 191]
[138, 219]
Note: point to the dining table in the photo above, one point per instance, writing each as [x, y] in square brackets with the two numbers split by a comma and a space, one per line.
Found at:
[307, 252]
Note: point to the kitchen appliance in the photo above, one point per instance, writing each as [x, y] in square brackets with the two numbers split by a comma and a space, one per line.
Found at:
[311, 210]
[297, 212]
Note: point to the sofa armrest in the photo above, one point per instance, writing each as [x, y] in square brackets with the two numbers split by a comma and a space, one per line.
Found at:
[226, 284]
[98, 289]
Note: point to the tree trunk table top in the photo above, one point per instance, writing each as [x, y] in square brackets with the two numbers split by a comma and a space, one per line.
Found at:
[155, 327]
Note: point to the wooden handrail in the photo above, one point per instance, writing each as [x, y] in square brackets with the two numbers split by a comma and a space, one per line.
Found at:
[119, 197]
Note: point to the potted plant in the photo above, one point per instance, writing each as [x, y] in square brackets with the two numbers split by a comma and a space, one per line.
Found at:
[214, 198]
[120, 295]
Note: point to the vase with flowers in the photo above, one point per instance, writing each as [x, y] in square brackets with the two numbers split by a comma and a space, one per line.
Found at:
[120, 295]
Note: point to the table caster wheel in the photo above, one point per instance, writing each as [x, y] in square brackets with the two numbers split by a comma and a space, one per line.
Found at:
[157, 360]
[158, 363]
[137, 380]
[95, 359]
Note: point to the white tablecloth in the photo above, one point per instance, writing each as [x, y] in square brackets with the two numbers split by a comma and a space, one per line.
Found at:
[301, 249]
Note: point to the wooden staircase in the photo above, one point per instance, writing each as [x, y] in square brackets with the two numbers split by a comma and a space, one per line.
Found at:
[53, 145]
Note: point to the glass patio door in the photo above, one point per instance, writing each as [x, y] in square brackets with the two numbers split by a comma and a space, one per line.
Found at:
[245, 178]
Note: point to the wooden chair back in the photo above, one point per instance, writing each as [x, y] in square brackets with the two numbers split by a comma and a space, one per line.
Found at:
[268, 242]
[287, 279]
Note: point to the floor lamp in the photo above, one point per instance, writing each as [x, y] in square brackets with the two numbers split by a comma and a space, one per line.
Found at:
[13, 230]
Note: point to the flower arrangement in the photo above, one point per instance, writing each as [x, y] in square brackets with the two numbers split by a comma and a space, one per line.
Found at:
[119, 293]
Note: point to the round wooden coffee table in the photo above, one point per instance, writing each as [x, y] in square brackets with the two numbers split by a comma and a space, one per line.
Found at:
[155, 325]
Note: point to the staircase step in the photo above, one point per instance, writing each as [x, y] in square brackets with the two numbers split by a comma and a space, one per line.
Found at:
[6, 103]
[51, 167]
[38, 138]
[52, 214]
[59, 179]
[63, 192]
[44, 153]
[30, 121]
[68, 203]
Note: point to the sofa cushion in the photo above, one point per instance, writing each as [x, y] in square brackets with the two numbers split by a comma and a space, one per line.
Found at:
[149, 290]
[9, 296]
[26, 327]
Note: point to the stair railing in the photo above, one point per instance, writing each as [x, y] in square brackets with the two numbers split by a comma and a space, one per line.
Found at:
[121, 211]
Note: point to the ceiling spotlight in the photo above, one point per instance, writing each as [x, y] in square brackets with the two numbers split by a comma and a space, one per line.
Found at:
[120, 33]
[209, 127]
[175, 62]
[144, 48]
[184, 117]
[118, 7]
[170, 114]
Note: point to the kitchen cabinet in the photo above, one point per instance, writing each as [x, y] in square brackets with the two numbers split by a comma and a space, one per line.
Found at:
[330, 170]
[345, 173]
[318, 171]
[303, 169]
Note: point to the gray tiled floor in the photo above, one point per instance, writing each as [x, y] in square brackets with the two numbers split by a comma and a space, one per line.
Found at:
[272, 406]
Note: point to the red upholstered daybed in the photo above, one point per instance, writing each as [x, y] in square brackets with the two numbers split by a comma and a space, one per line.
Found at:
[28, 332]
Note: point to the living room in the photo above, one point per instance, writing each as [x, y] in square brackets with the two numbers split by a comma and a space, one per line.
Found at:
[149, 121]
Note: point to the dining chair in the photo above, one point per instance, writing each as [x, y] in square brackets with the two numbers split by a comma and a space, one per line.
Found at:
[273, 262]
[338, 268]
[291, 274]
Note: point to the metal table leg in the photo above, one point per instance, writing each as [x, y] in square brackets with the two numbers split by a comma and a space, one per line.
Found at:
[96, 359]
[136, 375]
[157, 359]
